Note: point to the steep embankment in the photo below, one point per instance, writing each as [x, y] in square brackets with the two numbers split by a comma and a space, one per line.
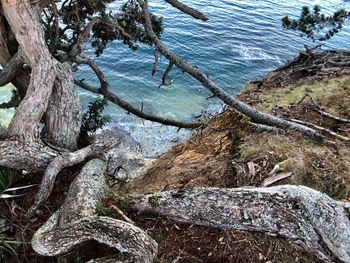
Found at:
[230, 152]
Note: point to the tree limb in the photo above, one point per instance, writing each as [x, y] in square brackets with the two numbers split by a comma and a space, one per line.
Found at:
[104, 90]
[322, 129]
[298, 214]
[11, 69]
[76, 222]
[255, 115]
[23, 18]
[165, 75]
[62, 161]
[331, 116]
[188, 10]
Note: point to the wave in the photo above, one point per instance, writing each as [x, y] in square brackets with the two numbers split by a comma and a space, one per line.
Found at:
[254, 53]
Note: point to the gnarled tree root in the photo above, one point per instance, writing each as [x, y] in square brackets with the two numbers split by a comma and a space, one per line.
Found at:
[76, 223]
[299, 214]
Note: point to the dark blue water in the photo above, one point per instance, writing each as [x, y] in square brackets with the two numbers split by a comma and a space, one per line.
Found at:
[243, 40]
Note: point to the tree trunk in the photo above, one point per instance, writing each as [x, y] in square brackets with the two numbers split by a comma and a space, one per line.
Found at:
[51, 86]
[64, 113]
[26, 26]
[298, 214]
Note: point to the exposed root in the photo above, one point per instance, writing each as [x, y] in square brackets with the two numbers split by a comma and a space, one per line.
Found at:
[61, 162]
[299, 214]
[76, 223]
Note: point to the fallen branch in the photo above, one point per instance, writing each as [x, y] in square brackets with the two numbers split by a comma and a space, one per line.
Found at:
[298, 214]
[322, 129]
[330, 116]
[262, 127]
[256, 115]
[120, 212]
[318, 108]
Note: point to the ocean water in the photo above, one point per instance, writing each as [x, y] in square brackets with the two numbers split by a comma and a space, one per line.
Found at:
[241, 41]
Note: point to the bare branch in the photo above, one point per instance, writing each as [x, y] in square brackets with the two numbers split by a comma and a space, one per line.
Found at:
[255, 115]
[155, 64]
[331, 116]
[104, 90]
[11, 69]
[165, 76]
[322, 129]
[262, 127]
[188, 10]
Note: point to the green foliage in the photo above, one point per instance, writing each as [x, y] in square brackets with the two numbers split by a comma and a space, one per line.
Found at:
[74, 16]
[93, 118]
[101, 210]
[80, 259]
[130, 20]
[159, 239]
[6, 245]
[315, 25]
[6, 178]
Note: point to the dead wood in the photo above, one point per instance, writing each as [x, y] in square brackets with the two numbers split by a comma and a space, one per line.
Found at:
[298, 214]
[256, 115]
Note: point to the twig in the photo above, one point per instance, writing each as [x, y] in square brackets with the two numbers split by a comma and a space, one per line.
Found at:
[328, 115]
[121, 213]
[325, 130]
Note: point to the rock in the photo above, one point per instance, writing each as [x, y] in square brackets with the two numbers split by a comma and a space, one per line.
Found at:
[125, 161]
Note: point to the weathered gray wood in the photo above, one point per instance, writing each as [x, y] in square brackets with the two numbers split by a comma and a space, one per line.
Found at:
[76, 223]
[25, 25]
[64, 113]
[62, 161]
[298, 214]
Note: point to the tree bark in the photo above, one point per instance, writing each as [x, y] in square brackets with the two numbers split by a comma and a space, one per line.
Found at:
[76, 223]
[299, 214]
[62, 161]
[26, 26]
[21, 80]
[64, 113]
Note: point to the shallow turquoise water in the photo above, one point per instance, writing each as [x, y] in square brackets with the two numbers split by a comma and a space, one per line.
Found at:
[242, 40]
